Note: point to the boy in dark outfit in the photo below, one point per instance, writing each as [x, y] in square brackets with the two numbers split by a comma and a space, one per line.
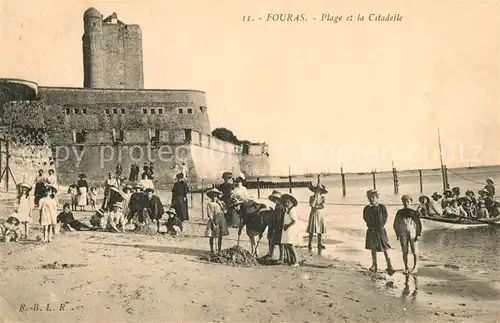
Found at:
[375, 216]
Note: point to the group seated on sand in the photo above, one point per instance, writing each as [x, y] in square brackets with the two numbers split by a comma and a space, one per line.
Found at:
[453, 204]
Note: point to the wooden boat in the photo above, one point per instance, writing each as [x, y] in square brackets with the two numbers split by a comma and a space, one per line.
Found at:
[447, 222]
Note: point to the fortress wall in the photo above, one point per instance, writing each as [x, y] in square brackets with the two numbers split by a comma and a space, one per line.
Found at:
[97, 160]
[255, 166]
[25, 162]
[129, 109]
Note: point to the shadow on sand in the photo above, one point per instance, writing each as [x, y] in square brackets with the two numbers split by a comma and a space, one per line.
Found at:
[162, 249]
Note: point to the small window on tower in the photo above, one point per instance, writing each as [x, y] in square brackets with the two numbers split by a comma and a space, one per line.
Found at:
[180, 110]
[76, 111]
[106, 111]
[160, 111]
[115, 111]
[190, 110]
[68, 111]
[123, 111]
[93, 24]
[84, 111]
[152, 111]
[145, 111]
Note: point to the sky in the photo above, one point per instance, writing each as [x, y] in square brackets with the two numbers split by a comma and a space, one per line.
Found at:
[321, 94]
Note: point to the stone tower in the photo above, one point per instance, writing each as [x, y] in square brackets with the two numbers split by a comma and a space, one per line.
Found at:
[93, 55]
[112, 52]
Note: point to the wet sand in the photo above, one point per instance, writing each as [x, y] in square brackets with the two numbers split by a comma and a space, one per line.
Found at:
[130, 277]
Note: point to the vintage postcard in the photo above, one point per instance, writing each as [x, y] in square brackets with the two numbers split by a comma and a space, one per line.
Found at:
[249, 161]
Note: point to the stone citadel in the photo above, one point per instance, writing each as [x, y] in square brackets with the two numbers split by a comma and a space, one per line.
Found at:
[114, 120]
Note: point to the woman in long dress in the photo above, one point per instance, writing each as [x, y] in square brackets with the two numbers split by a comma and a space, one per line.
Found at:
[290, 235]
[40, 185]
[179, 198]
[375, 216]
[316, 223]
[25, 208]
[83, 188]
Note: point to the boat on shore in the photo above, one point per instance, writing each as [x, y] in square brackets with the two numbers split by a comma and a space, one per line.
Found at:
[440, 222]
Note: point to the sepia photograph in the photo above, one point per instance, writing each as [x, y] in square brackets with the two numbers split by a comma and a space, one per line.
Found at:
[249, 161]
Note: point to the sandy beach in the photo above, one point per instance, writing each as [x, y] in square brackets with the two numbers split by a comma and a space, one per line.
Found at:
[129, 277]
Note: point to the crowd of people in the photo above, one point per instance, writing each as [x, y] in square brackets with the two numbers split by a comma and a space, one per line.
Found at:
[453, 204]
[138, 205]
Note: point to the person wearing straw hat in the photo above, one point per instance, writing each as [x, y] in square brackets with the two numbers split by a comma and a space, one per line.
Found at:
[375, 216]
[275, 225]
[495, 211]
[290, 235]
[216, 225]
[490, 186]
[9, 230]
[429, 207]
[240, 190]
[116, 221]
[467, 209]
[472, 197]
[408, 228]
[173, 224]
[155, 207]
[25, 205]
[316, 223]
[83, 188]
[127, 193]
[48, 213]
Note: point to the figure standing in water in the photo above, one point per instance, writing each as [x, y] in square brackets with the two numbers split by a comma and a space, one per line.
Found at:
[375, 216]
[316, 223]
[408, 228]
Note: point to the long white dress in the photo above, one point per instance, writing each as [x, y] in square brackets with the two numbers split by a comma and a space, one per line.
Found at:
[48, 211]
[25, 209]
[83, 197]
[290, 236]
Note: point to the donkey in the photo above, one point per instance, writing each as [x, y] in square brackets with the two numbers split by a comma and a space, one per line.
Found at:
[255, 216]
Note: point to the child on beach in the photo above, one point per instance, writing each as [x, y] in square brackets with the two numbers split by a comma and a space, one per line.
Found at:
[25, 208]
[290, 235]
[408, 229]
[216, 225]
[97, 220]
[316, 223]
[174, 224]
[92, 198]
[73, 191]
[375, 216]
[10, 229]
[275, 225]
[68, 222]
[116, 220]
[48, 213]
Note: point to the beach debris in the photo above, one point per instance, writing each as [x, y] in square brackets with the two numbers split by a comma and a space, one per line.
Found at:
[56, 265]
[236, 256]
[144, 229]
[451, 266]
